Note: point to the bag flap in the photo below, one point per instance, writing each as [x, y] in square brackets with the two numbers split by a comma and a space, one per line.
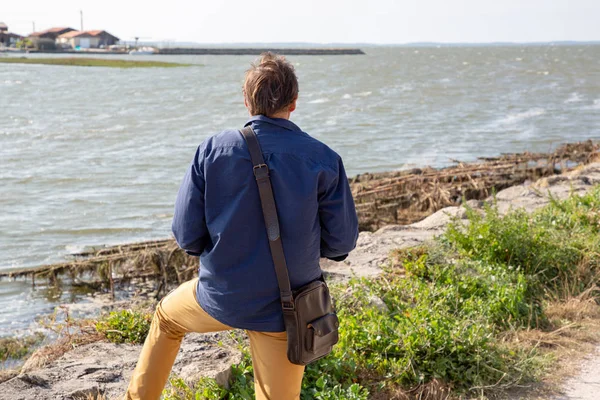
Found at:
[325, 325]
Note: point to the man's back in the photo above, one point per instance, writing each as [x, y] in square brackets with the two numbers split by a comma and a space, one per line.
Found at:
[218, 215]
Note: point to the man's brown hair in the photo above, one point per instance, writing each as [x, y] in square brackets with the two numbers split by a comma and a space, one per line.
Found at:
[271, 85]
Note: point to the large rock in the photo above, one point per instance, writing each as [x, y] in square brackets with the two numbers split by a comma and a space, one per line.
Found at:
[106, 368]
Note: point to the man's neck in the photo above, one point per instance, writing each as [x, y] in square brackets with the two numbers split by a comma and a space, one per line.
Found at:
[281, 114]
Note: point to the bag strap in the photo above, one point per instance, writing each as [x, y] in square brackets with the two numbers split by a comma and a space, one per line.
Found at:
[267, 201]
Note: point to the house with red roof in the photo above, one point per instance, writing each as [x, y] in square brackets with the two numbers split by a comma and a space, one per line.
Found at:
[51, 33]
[87, 39]
[46, 39]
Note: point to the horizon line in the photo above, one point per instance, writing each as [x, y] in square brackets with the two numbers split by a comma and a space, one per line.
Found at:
[375, 43]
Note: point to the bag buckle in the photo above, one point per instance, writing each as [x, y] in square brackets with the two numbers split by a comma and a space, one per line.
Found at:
[287, 303]
[261, 171]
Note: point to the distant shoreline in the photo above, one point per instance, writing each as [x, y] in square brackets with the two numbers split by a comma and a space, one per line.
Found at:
[91, 62]
[213, 51]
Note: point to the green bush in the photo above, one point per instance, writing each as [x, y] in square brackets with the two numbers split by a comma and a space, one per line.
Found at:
[125, 326]
[554, 245]
[433, 330]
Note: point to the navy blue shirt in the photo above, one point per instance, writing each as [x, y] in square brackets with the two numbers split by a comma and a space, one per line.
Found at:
[218, 216]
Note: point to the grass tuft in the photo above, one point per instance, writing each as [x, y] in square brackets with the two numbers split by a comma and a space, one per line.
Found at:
[18, 348]
[125, 326]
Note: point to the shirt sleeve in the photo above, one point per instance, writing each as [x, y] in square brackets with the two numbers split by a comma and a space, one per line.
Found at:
[189, 223]
[337, 214]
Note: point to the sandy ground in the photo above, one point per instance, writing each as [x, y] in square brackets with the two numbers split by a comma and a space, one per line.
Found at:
[586, 384]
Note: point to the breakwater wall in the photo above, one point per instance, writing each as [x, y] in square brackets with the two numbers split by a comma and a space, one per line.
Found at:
[214, 51]
[258, 51]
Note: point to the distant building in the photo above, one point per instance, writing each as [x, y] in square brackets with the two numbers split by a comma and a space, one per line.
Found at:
[8, 39]
[87, 39]
[51, 33]
[46, 40]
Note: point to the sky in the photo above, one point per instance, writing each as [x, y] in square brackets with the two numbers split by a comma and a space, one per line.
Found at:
[317, 21]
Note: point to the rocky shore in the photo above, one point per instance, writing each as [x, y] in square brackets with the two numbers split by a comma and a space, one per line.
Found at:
[103, 367]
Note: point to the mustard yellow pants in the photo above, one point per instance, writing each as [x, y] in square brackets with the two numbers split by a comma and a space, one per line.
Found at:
[275, 378]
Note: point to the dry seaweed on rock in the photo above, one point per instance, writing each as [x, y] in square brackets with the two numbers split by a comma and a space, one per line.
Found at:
[160, 260]
[405, 197]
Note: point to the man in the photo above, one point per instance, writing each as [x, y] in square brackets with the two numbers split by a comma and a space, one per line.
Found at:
[218, 217]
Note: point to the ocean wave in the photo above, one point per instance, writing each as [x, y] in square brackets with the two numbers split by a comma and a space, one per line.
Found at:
[75, 249]
[573, 98]
[114, 128]
[512, 119]
[92, 231]
[319, 101]
[594, 106]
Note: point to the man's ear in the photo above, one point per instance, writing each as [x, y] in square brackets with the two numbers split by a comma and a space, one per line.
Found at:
[293, 105]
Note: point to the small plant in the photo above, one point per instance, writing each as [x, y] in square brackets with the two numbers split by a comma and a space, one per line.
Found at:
[18, 348]
[125, 326]
[205, 389]
[242, 379]
[25, 43]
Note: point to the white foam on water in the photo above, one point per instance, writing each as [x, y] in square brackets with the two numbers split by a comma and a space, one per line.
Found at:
[515, 118]
[347, 96]
[363, 94]
[74, 249]
[527, 134]
[319, 101]
[573, 98]
[114, 128]
[594, 106]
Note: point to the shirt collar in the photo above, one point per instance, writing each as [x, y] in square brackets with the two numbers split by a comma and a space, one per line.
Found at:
[281, 122]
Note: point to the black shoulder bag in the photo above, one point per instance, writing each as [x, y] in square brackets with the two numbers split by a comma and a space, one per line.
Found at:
[308, 313]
